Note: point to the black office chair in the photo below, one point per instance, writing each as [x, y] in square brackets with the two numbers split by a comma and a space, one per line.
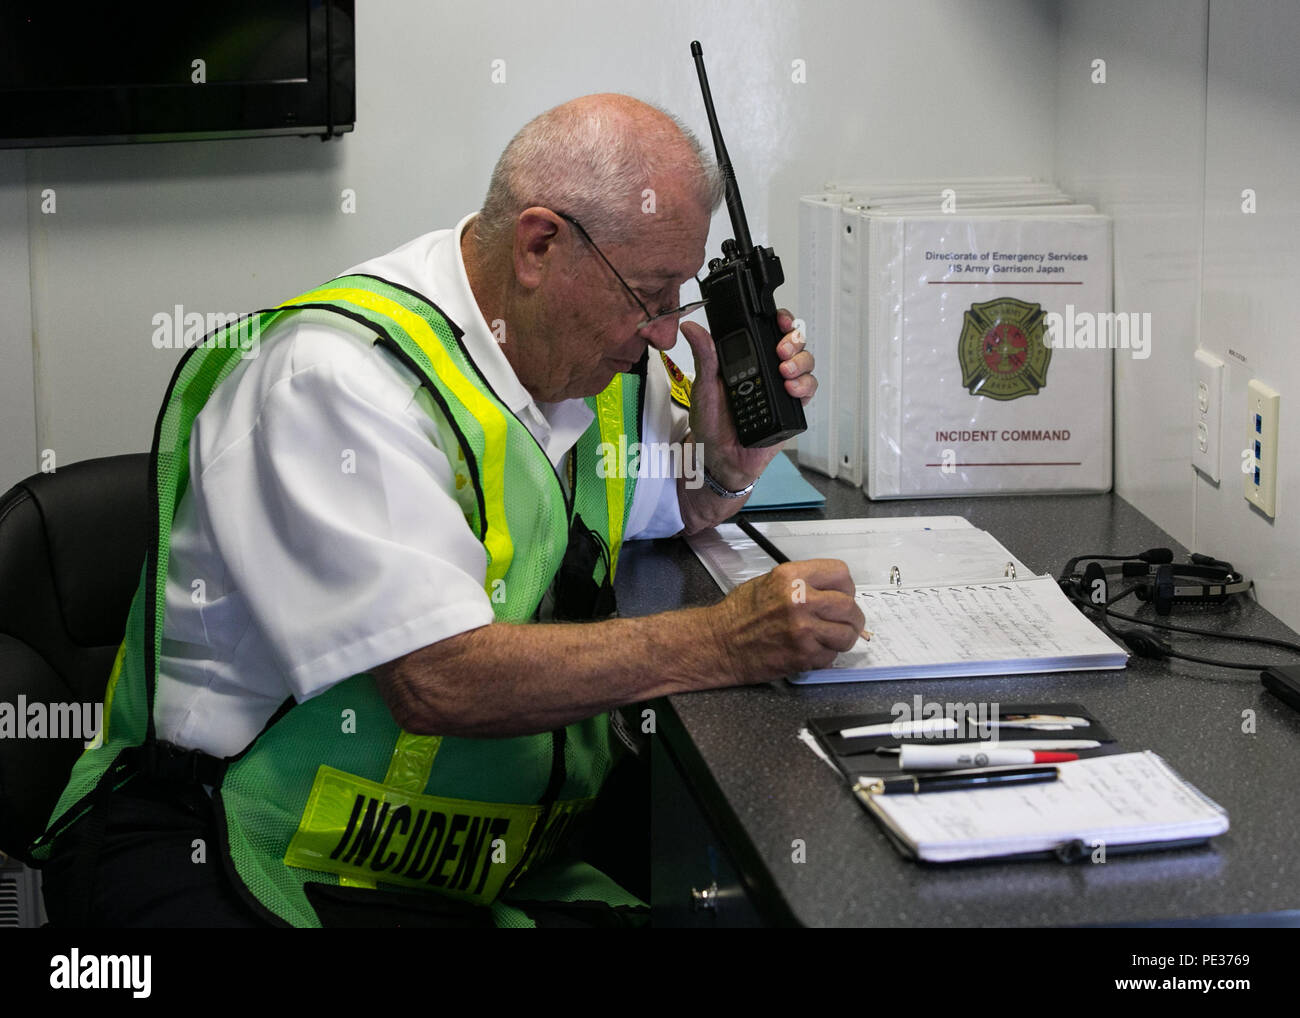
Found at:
[72, 545]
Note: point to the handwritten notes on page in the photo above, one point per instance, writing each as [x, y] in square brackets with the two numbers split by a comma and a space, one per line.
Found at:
[941, 597]
[1123, 799]
[1011, 627]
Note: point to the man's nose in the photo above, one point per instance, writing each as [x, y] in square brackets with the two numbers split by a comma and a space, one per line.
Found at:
[661, 334]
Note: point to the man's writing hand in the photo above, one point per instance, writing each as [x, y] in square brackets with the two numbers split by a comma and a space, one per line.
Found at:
[795, 618]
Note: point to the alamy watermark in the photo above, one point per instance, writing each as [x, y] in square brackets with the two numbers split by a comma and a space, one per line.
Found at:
[1099, 330]
[180, 329]
[974, 720]
[652, 459]
[77, 971]
[39, 720]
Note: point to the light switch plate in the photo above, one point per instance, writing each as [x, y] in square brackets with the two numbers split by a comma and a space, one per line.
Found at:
[1207, 409]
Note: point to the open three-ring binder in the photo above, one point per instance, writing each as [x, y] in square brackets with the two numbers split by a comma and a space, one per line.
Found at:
[949, 599]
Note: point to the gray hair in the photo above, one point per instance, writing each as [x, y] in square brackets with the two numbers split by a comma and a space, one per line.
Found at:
[592, 164]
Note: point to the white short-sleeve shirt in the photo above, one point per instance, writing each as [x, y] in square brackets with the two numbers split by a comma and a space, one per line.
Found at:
[319, 536]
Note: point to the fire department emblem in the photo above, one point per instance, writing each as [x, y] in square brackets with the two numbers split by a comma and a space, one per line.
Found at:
[1001, 349]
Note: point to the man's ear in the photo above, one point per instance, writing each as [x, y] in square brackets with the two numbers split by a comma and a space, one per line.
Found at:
[537, 235]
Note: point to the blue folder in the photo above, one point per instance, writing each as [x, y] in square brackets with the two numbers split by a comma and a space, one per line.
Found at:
[782, 487]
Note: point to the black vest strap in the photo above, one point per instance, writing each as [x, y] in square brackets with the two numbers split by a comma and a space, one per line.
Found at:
[172, 765]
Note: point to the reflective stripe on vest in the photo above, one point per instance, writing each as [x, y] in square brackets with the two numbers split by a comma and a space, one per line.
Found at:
[609, 416]
[408, 771]
[496, 537]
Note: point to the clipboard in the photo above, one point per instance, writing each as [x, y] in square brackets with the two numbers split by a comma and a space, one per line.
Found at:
[1070, 820]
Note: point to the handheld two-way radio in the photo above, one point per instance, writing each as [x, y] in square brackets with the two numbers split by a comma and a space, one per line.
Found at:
[742, 316]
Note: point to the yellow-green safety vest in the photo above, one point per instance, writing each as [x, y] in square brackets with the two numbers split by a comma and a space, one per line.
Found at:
[333, 793]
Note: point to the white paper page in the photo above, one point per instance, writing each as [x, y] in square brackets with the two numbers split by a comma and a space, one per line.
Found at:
[1026, 619]
[931, 549]
[810, 740]
[1126, 798]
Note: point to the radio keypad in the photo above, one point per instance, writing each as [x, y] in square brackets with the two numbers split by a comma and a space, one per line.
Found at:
[749, 403]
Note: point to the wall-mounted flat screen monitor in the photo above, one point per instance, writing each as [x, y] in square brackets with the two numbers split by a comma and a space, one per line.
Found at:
[79, 73]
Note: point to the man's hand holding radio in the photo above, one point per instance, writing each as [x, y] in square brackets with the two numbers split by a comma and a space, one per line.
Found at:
[728, 462]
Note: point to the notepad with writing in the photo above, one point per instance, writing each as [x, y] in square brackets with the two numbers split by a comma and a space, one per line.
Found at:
[1122, 801]
[947, 599]
[1009, 626]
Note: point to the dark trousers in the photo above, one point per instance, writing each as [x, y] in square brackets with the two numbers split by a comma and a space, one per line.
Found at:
[146, 874]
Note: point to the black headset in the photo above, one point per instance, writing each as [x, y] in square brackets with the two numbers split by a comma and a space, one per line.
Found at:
[1203, 581]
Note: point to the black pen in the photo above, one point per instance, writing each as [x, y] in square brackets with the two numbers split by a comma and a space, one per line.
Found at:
[772, 550]
[752, 532]
[909, 784]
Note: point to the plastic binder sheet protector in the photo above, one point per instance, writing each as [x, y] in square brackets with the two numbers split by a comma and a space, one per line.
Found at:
[942, 598]
[969, 391]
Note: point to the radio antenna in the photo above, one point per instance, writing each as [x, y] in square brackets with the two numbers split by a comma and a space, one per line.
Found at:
[737, 210]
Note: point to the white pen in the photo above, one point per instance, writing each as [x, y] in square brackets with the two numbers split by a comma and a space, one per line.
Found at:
[1040, 744]
[942, 758]
[901, 729]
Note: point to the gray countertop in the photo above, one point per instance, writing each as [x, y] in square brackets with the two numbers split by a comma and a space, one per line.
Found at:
[764, 791]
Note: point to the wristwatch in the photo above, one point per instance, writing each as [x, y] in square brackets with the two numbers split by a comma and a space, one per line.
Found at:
[722, 492]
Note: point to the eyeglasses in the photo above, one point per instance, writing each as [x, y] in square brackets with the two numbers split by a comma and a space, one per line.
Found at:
[650, 317]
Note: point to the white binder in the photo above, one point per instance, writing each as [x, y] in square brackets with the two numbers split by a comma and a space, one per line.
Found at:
[852, 301]
[819, 219]
[926, 431]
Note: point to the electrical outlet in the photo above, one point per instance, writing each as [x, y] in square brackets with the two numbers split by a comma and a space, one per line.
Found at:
[1208, 415]
[1260, 482]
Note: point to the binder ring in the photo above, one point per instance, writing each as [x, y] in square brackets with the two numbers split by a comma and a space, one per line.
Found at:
[895, 576]
[1010, 571]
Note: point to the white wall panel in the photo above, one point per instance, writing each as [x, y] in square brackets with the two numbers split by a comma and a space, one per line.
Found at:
[1249, 313]
[1134, 146]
